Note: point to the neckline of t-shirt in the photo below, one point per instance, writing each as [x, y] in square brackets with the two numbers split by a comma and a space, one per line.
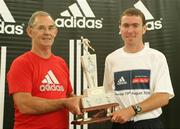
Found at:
[133, 54]
[41, 57]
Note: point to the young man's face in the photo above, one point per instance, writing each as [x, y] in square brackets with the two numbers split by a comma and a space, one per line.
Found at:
[132, 29]
[42, 32]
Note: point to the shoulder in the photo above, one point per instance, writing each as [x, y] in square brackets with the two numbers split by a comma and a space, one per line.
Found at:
[22, 59]
[20, 64]
[61, 61]
[114, 54]
[155, 53]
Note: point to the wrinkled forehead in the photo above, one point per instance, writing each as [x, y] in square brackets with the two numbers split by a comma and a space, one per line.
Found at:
[43, 20]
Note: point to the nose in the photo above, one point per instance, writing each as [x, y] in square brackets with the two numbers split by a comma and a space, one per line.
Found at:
[130, 29]
[46, 30]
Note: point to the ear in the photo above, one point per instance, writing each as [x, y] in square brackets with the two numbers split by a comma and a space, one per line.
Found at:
[144, 29]
[29, 31]
[119, 29]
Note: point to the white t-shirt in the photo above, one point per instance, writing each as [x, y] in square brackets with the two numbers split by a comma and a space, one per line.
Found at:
[134, 77]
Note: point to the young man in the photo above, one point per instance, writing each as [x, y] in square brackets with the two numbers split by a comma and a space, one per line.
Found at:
[139, 77]
[39, 81]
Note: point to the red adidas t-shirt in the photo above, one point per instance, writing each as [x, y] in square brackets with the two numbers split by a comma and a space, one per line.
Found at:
[46, 78]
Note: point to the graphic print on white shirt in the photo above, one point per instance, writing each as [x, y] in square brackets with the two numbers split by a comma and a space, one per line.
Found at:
[50, 83]
[132, 80]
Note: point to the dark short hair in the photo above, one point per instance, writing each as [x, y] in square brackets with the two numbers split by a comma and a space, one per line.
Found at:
[133, 12]
[35, 14]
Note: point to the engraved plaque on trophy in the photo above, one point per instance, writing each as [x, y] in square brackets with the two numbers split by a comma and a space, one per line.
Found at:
[95, 98]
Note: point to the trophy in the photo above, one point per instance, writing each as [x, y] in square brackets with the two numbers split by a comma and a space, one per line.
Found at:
[95, 98]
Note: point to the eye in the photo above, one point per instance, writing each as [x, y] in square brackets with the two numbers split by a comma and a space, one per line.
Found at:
[41, 28]
[46, 28]
[125, 25]
[52, 27]
[135, 25]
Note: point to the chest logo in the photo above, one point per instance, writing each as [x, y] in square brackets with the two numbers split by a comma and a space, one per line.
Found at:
[50, 83]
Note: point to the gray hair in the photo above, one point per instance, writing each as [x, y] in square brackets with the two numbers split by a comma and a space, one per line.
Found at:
[35, 14]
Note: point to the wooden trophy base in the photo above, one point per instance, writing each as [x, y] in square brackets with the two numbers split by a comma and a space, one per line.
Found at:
[90, 120]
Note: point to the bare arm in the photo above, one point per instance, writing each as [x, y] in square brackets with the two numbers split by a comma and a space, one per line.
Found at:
[28, 104]
[157, 100]
[71, 95]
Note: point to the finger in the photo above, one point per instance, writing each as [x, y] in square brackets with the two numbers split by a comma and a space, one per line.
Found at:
[113, 119]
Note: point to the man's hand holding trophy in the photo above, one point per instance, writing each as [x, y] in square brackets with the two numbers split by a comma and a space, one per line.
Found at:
[94, 97]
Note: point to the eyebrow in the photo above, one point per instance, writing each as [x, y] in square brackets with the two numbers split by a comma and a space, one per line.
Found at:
[52, 25]
[131, 24]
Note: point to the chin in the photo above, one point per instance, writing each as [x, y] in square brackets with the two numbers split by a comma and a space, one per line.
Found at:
[129, 41]
[47, 45]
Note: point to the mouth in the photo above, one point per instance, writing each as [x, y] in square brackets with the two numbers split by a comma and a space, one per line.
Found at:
[129, 37]
[46, 39]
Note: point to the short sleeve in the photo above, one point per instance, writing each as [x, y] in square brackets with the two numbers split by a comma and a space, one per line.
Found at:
[19, 77]
[108, 77]
[163, 80]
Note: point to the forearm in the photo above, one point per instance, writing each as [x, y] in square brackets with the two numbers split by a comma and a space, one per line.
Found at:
[71, 95]
[157, 100]
[36, 105]
[28, 104]
[40, 106]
